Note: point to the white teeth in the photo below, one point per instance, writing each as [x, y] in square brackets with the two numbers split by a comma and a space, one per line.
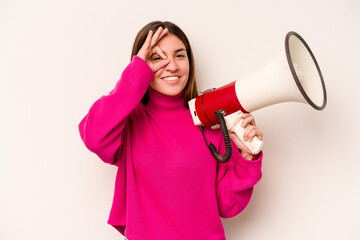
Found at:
[171, 78]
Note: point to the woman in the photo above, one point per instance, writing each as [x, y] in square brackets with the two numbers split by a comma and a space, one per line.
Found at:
[168, 185]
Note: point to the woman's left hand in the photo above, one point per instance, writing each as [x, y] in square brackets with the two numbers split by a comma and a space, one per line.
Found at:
[250, 132]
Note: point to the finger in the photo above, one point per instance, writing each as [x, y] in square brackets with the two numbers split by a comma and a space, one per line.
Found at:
[249, 119]
[156, 36]
[255, 132]
[148, 39]
[245, 115]
[144, 50]
[164, 32]
[160, 33]
[159, 52]
[247, 131]
[160, 65]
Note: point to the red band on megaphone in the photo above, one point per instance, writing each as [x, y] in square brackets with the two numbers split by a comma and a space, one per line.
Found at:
[223, 98]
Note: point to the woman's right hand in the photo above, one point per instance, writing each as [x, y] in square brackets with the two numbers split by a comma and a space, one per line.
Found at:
[149, 48]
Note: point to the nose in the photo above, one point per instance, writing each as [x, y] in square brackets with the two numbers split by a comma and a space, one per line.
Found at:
[172, 66]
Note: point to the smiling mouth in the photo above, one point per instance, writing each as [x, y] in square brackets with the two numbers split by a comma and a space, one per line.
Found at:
[171, 78]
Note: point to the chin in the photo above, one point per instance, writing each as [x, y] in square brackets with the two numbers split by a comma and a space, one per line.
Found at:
[169, 91]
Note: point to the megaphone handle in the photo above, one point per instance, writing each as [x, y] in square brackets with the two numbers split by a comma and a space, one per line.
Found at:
[234, 122]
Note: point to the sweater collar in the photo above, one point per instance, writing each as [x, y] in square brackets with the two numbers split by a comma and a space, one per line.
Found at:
[159, 101]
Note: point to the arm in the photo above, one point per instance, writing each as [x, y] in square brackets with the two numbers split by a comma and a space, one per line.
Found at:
[235, 182]
[102, 128]
[236, 178]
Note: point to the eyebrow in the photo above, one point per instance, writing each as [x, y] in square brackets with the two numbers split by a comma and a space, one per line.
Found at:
[180, 49]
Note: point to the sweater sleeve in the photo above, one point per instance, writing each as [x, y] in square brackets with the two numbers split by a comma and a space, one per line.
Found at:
[235, 182]
[102, 129]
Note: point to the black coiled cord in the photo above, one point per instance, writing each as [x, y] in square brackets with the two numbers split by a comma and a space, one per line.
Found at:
[224, 130]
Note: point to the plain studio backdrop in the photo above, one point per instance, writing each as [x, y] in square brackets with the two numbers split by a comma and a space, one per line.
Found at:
[57, 57]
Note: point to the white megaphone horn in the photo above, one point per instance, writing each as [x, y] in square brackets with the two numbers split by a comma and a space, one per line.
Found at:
[293, 76]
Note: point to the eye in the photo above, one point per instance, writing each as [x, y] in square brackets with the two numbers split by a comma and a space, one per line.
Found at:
[180, 56]
[156, 58]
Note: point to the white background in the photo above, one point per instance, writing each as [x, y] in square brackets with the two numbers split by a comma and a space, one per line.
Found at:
[57, 57]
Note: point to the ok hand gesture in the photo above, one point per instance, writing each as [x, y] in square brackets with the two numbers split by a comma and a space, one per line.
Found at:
[150, 48]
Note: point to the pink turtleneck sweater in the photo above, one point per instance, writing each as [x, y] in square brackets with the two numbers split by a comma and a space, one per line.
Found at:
[168, 185]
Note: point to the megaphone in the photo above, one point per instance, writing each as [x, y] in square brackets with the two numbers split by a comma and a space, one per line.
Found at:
[293, 76]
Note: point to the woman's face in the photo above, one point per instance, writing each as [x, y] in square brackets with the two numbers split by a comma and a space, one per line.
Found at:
[171, 79]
